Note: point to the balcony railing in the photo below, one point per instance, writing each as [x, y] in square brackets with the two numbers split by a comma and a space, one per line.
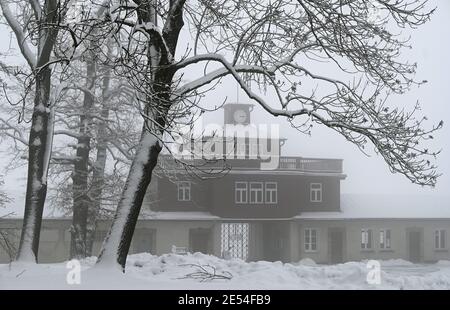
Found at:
[311, 164]
[314, 165]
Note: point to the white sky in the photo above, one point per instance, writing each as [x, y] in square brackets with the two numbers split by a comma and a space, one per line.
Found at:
[431, 50]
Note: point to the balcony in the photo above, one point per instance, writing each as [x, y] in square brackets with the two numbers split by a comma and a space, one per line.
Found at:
[301, 164]
[311, 164]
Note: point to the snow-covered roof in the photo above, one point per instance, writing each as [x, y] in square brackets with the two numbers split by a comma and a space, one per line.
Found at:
[352, 207]
[355, 206]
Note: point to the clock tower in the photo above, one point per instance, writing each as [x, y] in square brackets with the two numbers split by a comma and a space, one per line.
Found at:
[237, 113]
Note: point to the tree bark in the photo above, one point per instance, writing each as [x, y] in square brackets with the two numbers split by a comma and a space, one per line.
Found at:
[41, 135]
[38, 160]
[118, 241]
[158, 103]
[81, 197]
[98, 177]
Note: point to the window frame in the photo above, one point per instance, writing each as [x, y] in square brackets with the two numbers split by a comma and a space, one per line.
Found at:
[368, 241]
[307, 242]
[240, 190]
[439, 239]
[260, 190]
[385, 238]
[184, 190]
[315, 191]
[271, 191]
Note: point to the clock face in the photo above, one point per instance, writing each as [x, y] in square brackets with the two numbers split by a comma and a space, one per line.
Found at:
[240, 116]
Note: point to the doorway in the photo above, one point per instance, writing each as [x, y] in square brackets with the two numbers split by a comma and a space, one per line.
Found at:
[275, 239]
[235, 240]
[415, 246]
[200, 240]
[336, 245]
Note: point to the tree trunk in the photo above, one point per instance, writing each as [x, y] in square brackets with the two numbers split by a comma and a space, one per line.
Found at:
[39, 150]
[81, 199]
[41, 133]
[118, 241]
[98, 177]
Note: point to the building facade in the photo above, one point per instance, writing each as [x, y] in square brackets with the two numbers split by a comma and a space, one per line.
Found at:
[287, 213]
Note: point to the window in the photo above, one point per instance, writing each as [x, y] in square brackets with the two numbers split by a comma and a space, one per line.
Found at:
[271, 192]
[439, 239]
[385, 239]
[366, 239]
[240, 190]
[184, 191]
[316, 192]
[310, 240]
[253, 149]
[256, 192]
[241, 148]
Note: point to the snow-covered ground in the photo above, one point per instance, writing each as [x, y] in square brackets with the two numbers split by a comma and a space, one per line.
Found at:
[145, 271]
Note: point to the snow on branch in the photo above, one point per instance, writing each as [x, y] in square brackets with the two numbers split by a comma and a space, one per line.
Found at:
[174, 23]
[267, 44]
[155, 33]
[228, 68]
[27, 53]
[36, 8]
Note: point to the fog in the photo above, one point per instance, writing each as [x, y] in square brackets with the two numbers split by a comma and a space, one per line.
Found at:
[431, 50]
[370, 175]
[308, 224]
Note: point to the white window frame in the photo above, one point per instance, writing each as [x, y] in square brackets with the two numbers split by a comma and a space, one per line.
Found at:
[314, 193]
[385, 243]
[271, 192]
[308, 240]
[366, 239]
[440, 239]
[259, 190]
[243, 192]
[184, 188]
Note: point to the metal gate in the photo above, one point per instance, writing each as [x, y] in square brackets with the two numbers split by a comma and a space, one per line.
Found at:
[235, 237]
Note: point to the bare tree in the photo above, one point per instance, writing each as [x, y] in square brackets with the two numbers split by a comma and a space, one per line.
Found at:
[83, 201]
[98, 118]
[39, 31]
[47, 39]
[271, 46]
[95, 122]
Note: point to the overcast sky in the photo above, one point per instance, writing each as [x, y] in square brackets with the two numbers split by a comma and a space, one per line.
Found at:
[431, 50]
[370, 175]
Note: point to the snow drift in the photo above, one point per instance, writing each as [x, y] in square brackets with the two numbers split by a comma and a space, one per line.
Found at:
[170, 271]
